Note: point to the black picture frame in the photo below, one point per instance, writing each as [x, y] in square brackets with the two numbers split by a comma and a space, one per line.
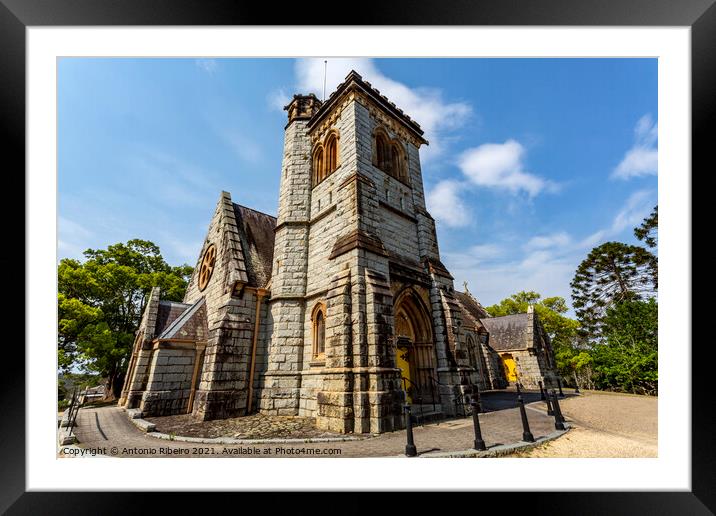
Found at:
[17, 15]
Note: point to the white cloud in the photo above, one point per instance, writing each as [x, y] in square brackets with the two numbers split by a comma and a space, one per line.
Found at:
[278, 99]
[545, 264]
[500, 165]
[642, 158]
[637, 207]
[208, 65]
[561, 239]
[445, 205]
[475, 255]
[503, 272]
[424, 105]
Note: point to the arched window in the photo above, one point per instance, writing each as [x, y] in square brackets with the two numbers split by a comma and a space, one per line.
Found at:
[331, 154]
[381, 153]
[318, 168]
[389, 156]
[395, 168]
[319, 331]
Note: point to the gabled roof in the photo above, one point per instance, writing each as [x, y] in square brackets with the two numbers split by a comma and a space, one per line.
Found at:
[167, 313]
[472, 310]
[174, 329]
[509, 331]
[256, 231]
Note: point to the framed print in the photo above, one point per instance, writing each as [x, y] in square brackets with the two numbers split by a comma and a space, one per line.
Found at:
[427, 162]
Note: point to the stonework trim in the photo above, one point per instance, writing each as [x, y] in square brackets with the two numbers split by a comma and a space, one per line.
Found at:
[357, 239]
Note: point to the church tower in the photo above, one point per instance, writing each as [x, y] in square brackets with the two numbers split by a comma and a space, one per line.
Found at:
[362, 313]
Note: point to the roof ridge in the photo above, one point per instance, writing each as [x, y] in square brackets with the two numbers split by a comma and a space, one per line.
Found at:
[254, 210]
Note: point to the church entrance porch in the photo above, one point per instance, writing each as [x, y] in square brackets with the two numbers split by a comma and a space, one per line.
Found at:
[415, 349]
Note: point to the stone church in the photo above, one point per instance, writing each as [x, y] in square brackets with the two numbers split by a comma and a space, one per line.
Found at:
[339, 308]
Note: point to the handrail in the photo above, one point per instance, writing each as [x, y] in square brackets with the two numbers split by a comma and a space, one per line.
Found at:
[419, 395]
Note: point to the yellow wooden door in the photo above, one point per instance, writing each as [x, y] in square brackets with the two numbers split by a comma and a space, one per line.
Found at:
[510, 368]
[404, 365]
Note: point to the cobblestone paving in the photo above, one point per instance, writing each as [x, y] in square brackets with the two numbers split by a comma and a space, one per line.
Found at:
[248, 427]
[107, 430]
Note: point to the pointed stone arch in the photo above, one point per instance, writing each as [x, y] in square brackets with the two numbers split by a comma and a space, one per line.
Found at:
[415, 351]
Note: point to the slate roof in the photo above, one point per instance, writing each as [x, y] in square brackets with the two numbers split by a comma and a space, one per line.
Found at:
[172, 330]
[167, 313]
[473, 311]
[508, 332]
[256, 230]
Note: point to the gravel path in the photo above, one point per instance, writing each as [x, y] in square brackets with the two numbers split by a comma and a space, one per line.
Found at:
[605, 425]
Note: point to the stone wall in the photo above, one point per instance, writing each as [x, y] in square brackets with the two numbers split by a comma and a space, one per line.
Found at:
[169, 385]
[223, 389]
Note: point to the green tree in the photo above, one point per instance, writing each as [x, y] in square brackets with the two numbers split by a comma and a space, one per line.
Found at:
[562, 330]
[628, 358]
[648, 231]
[612, 273]
[100, 302]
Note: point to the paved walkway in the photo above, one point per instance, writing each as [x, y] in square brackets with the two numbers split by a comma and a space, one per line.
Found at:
[108, 431]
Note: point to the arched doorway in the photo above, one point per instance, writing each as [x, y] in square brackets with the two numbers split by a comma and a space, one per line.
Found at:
[415, 354]
[508, 363]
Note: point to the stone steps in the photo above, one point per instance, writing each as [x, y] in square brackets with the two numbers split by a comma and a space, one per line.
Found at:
[428, 413]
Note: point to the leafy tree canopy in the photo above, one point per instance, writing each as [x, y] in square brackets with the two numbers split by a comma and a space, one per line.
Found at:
[628, 358]
[612, 273]
[101, 300]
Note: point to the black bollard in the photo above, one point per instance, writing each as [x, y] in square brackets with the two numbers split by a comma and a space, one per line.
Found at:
[558, 419]
[478, 444]
[541, 392]
[559, 384]
[526, 434]
[410, 449]
[478, 402]
[576, 387]
[548, 399]
[517, 386]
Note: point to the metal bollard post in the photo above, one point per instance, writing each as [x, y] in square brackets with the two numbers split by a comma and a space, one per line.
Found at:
[410, 449]
[541, 392]
[559, 384]
[558, 419]
[548, 399]
[478, 444]
[526, 434]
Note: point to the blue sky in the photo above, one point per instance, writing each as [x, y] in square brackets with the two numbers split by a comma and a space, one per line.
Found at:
[531, 162]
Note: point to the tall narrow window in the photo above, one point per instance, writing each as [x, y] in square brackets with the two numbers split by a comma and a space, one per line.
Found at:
[381, 152]
[319, 331]
[318, 166]
[395, 169]
[331, 154]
